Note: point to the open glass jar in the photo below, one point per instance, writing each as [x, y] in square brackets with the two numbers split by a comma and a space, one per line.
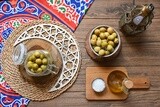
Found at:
[36, 62]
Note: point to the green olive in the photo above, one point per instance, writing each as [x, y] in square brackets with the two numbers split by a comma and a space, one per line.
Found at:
[106, 34]
[101, 52]
[44, 61]
[110, 30]
[112, 50]
[111, 43]
[102, 29]
[107, 52]
[39, 70]
[35, 66]
[32, 58]
[37, 54]
[104, 44]
[38, 61]
[29, 64]
[102, 35]
[116, 41]
[114, 34]
[42, 56]
[111, 37]
[97, 32]
[109, 48]
[43, 67]
[98, 43]
[93, 41]
[94, 37]
[97, 49]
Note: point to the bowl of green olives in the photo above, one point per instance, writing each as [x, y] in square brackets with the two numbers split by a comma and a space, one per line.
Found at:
[103, 43]
[38, 63]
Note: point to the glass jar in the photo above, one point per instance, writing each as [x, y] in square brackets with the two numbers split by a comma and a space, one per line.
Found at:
[36, 62]
[118, 82]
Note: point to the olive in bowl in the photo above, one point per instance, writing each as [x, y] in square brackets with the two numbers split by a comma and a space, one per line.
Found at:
[103, 43]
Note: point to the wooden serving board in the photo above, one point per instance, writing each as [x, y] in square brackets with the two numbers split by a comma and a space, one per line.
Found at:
[103, 72]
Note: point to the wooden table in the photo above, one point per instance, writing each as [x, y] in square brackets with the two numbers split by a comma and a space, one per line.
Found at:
[140, 54]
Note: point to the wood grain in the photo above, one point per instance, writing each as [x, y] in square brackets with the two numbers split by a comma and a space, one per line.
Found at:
[140, 55]
[140, 82]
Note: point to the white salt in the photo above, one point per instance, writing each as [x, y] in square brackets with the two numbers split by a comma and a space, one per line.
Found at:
[98, 85]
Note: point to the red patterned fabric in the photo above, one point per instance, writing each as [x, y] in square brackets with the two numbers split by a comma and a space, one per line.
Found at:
[13, 13]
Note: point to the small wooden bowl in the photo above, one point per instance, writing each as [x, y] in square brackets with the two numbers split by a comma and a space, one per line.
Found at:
[96, 56]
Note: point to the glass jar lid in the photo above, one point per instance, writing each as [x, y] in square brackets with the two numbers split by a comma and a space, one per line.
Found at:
[19, 53]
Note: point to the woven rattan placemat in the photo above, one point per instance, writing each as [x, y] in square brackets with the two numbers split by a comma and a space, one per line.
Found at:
[62, 38]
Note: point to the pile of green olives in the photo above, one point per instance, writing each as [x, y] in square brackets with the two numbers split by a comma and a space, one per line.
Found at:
[37, 62]
[104, 40]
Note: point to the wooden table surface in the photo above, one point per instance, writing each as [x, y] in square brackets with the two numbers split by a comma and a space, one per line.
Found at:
[140, 54]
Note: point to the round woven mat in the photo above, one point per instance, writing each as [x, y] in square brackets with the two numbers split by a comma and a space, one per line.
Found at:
[71, 60]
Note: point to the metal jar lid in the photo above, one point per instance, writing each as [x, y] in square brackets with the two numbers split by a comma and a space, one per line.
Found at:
[19, 53]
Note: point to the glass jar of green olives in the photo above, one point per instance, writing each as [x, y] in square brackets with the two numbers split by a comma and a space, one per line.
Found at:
[36, 62]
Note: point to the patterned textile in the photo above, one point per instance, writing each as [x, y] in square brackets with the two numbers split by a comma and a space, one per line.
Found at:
[13, 13]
